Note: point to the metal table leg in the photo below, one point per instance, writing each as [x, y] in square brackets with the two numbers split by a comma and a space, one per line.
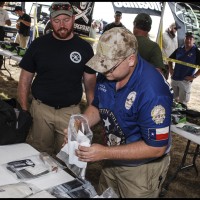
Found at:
[194, 158]
[180, 167]
[4, 66]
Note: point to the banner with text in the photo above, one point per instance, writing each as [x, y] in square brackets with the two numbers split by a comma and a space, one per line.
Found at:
[151, 8]
[186, 15]
[83, 17]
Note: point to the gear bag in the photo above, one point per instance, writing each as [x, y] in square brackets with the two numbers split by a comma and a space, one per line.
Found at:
[14, 122]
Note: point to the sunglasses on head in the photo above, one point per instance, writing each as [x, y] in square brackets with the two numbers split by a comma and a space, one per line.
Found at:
[61, 7]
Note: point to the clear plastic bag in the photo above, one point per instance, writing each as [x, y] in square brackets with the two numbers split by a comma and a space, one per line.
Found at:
[108, 193]
[18, 190]
[79, 133]
[33, 166]
[77, 188]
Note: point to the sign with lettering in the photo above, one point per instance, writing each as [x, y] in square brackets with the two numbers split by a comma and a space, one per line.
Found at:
[186, 15]
[152, 8]
[83, 17]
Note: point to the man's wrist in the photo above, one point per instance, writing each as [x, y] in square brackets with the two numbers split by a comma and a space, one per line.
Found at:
[194, 76]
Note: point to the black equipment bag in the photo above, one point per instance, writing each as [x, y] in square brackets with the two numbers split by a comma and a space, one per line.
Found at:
[192, 113]
[12, 129]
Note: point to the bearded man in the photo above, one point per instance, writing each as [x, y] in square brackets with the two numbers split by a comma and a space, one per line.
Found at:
[169, 44]
[53, 69]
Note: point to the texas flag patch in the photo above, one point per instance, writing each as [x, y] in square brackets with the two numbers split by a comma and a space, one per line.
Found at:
[158, 134]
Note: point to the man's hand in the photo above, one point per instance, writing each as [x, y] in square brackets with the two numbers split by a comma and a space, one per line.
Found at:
[95, 152]
[17, 25]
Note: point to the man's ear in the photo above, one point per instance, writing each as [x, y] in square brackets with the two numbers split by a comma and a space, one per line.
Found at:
[132, 59]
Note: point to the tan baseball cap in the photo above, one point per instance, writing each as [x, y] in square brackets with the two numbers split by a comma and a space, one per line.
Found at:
[60, 8]
[113, 46]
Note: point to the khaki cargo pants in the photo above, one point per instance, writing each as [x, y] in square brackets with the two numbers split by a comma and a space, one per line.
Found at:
[143, 181]
[46, 133]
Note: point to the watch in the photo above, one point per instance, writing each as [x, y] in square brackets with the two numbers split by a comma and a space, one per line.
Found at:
[194, 76]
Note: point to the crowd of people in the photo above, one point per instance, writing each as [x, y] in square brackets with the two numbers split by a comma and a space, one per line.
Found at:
[126, 87]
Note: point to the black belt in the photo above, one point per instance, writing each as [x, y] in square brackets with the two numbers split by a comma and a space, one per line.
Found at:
[56, 107]
[157, 159]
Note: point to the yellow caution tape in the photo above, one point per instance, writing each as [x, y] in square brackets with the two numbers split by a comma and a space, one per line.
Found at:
[181, 62]
[36, 24]
[90, 39]
[164, 58]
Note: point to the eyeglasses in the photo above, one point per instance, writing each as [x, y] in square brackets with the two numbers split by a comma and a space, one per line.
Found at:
[115, 67]
[61, 7]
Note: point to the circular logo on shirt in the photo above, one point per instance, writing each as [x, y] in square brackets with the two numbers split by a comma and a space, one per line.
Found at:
[75, 57]
[130, 99]
[158, 114]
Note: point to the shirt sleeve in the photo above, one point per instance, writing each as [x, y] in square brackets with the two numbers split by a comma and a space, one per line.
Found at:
[198, 57]
[155, 120]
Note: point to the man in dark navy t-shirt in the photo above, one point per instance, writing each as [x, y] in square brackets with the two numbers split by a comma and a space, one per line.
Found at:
[53, 68]
[182, 76]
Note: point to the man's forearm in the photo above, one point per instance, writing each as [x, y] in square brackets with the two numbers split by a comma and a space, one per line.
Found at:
[92, 115]
[23, 96]
[24, 88]
[89, 84]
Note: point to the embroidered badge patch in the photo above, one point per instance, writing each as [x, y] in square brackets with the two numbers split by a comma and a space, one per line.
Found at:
[158, 114]
[130, 99]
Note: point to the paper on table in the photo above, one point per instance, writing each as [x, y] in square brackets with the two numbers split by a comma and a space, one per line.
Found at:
[11, 152]
[6, 177]
[42, 194]
[18, 190]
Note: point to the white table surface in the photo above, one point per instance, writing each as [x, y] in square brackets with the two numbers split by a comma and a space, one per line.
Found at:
[18, 151]
[190, 136]
[10, 55]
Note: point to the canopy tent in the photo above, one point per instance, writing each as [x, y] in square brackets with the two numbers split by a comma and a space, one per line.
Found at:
[184, 13]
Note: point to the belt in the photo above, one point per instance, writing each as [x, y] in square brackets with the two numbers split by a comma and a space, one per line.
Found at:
[56, 107]
[157, 159]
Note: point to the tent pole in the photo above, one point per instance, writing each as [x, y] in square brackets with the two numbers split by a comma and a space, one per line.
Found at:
[159, 35]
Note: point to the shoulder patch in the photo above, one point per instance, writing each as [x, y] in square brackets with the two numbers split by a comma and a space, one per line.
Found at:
[158, 114]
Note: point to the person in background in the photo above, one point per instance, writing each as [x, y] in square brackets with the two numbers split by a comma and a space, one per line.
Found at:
[147, 48]
[103, 25]
[23, 25]
[96, 24]
[169, 45]
[47, 28]
[4, 20]
[133, 101]
[182, 76]
[116, 23]
[53, 69]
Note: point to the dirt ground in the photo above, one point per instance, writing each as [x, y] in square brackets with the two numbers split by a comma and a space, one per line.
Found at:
[187, 182]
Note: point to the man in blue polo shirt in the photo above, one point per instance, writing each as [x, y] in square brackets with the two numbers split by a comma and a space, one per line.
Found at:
[182, 76]
[133, 101]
